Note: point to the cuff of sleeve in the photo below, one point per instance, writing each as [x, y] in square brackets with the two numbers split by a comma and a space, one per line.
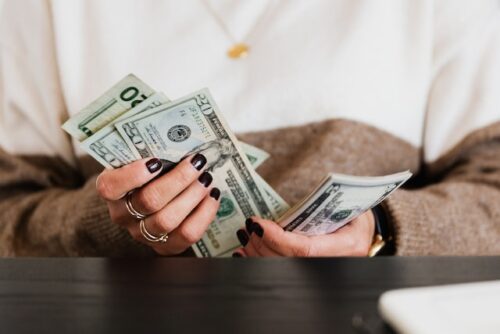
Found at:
[408, 216]
[95, 234]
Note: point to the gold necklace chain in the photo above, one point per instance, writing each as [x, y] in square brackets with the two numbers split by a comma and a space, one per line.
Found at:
[238, 49]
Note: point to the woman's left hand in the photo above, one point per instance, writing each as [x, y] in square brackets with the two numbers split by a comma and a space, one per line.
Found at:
[266, 238]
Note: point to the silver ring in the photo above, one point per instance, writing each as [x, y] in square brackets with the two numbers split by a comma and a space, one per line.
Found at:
[150, 237]
[128, 203]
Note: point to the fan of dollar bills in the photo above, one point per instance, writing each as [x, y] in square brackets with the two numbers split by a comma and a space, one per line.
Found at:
[131, 121]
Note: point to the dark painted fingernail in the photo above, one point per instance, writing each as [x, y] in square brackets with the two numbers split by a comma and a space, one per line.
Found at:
[236, 254]
[198, 161]
[205, 179]
[153, 165]
[248, 225]
[242, 237]
[215, 193]
[167, 166]
[258, 229]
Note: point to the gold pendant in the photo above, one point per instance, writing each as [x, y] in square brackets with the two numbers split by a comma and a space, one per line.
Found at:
[238, 50]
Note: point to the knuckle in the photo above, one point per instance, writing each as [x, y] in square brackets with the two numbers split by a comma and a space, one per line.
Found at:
[136, 178]
[311, 251]
[189, 235]
[149, 199]
[184, 175]
[258, 244]
[165, 221]
[273, 243]
[302, 251]
[103, 187]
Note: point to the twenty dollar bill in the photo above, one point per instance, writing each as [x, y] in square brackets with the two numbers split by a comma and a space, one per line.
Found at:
[194, 124]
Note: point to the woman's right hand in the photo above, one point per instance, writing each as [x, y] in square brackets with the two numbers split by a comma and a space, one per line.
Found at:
[181, 203]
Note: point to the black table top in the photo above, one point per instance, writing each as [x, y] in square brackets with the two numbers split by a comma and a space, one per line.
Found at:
[180, 295]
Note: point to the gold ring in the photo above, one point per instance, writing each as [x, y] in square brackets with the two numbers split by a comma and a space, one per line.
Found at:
[128, 203]
[150, 237]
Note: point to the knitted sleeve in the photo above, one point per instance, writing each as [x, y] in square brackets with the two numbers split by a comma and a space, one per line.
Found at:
[48, 209]
[458, 209]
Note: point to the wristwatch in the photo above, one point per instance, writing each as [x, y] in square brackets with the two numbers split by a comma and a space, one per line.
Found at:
[383, 239]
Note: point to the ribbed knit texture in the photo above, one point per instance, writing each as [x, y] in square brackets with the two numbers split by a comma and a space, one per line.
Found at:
[450, 207]
[47, 209]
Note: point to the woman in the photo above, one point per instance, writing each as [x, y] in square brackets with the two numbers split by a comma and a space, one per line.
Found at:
[362, 88]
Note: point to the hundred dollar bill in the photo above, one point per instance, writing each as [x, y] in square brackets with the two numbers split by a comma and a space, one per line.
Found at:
[338, 200]
[124, 95]
[194, 124]
[107, 145]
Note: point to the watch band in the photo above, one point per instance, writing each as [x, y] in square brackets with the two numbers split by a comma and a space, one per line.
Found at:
[383, 240]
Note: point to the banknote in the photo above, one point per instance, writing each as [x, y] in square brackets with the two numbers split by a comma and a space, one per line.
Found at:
[338, 200]
[255, 155]
[130, 122]
[107, 145]
[108, 148]
[274, 200]
[124, 95]
[194, 124]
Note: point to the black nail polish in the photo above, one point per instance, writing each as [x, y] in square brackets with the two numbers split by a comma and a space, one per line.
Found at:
[236, 254]
[205, 179]
[258, 229]
[248, 225]
[215, 193]
[198, 161]
[167, 166]
[242, 237]
[153, 165]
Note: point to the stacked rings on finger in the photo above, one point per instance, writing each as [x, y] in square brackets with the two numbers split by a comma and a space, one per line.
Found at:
[139, 216]
[150, 237]
[128, 203]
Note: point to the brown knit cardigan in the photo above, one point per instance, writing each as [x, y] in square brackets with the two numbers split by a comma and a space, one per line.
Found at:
[451, 206]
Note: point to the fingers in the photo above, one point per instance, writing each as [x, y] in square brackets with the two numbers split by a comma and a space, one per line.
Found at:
[114, 184]
[256, 247]
[354, 239]
[253, 244]
[193, 227]
[268, 237]
[155, 195]
[173, 214]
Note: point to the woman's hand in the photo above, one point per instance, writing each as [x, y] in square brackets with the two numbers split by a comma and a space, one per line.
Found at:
[181, 203]
[266, 238]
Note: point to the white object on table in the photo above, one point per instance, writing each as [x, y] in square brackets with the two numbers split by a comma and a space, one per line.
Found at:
[460, 308]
